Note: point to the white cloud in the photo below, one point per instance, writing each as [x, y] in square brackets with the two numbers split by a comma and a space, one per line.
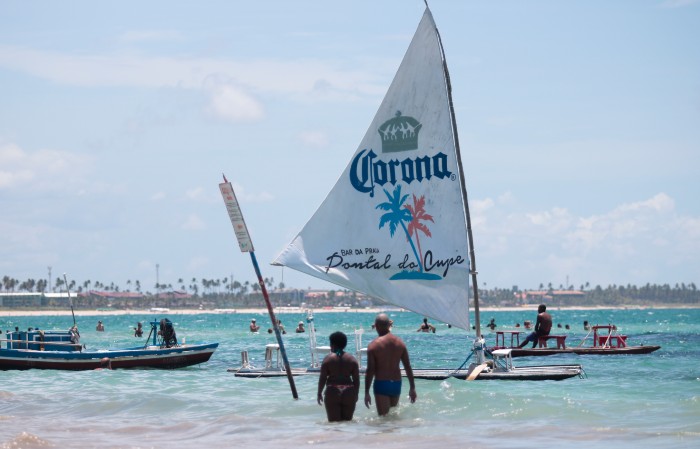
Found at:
[506, 198]
[197, 194]
[243, 196]
[635, 242]
[194, 223]
[158, 196]
[480, 206]
[632, 222]
[302, 79]
[233, 104]
[42, 169]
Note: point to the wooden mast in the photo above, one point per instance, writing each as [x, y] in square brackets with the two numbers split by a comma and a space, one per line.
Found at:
[472, 257]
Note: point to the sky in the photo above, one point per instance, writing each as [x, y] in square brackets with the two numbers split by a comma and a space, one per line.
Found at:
[579, 126]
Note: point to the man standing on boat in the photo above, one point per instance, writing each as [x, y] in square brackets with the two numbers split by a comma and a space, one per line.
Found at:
[384, 354]
[542, 327]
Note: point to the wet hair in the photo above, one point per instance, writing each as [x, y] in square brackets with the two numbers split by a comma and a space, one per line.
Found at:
[338, 339]
[542, 307]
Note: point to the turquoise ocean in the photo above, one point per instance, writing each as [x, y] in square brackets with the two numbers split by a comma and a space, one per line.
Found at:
[624, 401]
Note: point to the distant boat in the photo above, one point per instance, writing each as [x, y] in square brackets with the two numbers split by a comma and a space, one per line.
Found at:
[62, 350]
[396, 225]
[606, 340]
[159, 309]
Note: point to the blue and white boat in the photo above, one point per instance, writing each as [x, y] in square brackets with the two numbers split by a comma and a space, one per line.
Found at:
[62, 350]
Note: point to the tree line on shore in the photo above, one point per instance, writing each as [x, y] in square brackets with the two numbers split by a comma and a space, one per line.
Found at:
[612, 295]
[227, 292]
[195, 287]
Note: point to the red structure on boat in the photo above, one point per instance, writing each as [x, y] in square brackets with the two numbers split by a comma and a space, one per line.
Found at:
[606, 341]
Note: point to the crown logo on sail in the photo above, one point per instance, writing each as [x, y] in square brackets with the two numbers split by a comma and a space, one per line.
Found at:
[399, 134]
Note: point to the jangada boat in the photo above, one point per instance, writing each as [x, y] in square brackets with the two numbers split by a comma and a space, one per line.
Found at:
[62, 350]
[499, 368]
[606, 340]
[396, 225]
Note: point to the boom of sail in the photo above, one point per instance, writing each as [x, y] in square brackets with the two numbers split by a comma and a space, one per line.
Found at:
[393, 226]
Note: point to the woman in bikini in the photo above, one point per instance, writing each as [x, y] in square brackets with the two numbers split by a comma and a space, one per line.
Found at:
[340, 375]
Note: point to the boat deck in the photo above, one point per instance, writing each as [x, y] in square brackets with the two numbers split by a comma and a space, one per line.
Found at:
[538, 352]
[552, 372]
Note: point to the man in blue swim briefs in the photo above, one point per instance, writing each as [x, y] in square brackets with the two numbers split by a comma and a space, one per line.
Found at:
[384, 354]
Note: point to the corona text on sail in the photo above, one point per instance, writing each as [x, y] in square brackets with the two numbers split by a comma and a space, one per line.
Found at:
[366, 170]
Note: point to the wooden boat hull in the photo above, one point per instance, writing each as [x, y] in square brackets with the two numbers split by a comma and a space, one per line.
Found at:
[552, 372]
[149, 357]
[615, 351]
[541, 352]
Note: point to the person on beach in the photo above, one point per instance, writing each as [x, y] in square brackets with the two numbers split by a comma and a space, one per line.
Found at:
[253, 326]
[340, 375]
[383, 356]
[300, 328]
[426, 327]
[138, 330]
[100, 327]
[542, 327]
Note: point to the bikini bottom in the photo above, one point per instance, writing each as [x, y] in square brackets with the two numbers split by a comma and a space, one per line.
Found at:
[341, 388]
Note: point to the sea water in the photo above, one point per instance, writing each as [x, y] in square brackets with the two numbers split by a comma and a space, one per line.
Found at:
[625, 401]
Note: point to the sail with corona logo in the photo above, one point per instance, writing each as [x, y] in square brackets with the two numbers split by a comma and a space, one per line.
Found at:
[394, 226]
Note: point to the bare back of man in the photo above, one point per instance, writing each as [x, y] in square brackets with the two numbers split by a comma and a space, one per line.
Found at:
[383, 357]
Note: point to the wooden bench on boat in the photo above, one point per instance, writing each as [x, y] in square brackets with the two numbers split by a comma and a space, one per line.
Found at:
[561, 341]
[501, 338]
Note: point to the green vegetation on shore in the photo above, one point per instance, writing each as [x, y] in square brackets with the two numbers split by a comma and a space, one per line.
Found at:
[229, 293]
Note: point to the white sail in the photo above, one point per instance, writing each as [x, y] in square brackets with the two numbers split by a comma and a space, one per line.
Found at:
[393, 226]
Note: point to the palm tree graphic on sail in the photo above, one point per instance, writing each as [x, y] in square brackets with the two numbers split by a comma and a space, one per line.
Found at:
[418, 216]
[397, 215]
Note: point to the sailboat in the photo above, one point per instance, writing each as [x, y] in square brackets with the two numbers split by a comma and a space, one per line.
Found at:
[396, 225]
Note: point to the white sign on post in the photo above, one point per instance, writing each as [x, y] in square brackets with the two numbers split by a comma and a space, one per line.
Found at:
[236, 216]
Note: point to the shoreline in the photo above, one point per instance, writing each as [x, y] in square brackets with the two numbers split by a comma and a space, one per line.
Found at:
[299, 310]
